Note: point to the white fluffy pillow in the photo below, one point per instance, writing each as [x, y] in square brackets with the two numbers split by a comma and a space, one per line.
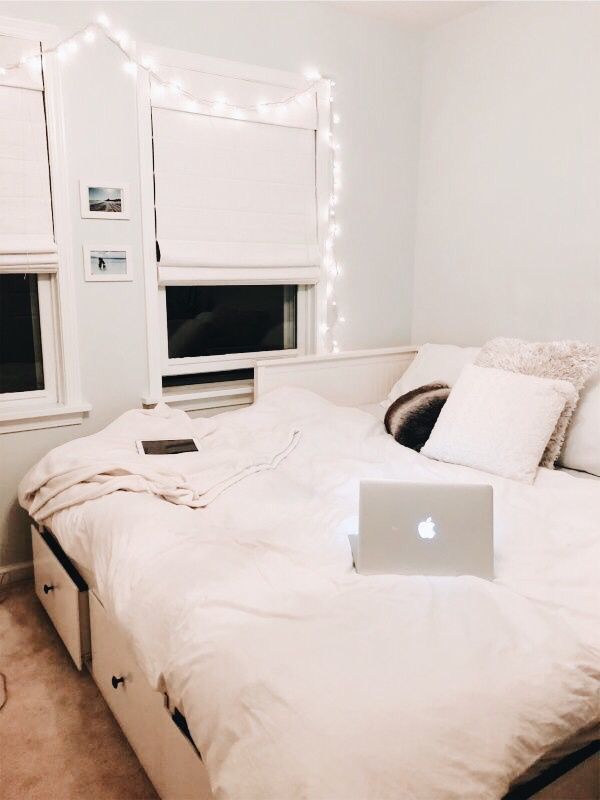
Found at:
[574, 362]
[582, 445]
[434, 363]
[498, 421]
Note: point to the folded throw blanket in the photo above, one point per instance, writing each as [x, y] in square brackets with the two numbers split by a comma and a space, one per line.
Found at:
[108, 461]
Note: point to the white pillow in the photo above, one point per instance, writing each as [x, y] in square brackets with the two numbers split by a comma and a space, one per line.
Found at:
[434, 363]
[582, 445]
[498, 421]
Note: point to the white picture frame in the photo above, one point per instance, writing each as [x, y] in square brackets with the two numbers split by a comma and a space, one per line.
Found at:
[110, 197]
[112, 268]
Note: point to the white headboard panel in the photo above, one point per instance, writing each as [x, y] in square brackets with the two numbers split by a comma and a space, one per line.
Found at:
[351, 379]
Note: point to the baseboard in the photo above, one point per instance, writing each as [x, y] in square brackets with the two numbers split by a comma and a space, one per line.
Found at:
[14, 573]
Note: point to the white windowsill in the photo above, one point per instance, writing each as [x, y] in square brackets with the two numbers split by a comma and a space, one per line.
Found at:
[35, 416]
[206, 396]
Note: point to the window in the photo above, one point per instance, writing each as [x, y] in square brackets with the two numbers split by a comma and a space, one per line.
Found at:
[238, 223]
[38, 366]
[221, 320]
[21, 362]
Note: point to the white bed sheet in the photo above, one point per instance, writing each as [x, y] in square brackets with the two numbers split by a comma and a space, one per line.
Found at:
[299, 678]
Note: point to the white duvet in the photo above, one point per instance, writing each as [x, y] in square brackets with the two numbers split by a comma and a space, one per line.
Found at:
[300, 679]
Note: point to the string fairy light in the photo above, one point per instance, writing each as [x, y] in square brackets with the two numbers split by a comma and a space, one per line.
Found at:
[87, 35]
[331, 264]
[122, 41]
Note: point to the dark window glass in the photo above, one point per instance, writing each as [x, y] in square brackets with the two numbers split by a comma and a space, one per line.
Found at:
[21, 368]
[170, 381]
[217, 320]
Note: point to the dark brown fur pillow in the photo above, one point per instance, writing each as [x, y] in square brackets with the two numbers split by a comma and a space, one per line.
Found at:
[410, 418]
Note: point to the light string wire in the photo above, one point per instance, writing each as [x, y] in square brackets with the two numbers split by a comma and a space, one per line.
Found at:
[121, 40]
[332, 266]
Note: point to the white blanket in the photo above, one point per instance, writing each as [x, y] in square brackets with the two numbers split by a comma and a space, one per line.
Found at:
[108, 461]
[299, 678]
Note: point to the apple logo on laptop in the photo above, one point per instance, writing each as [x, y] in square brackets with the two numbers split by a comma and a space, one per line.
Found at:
[427, 529]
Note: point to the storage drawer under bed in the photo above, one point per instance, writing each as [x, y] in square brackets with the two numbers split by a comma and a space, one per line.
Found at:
[63, 593]
[168, 756]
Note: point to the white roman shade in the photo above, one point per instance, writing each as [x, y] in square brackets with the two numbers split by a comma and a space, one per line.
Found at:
[26, 232]
[235, 199]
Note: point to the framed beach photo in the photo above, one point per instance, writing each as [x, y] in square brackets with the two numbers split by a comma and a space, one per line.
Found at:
[107, 264]
[107, 200]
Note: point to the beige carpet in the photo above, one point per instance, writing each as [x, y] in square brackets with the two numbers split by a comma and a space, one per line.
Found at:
[58, 740]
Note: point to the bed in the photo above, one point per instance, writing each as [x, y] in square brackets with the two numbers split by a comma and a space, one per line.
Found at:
[297, 678]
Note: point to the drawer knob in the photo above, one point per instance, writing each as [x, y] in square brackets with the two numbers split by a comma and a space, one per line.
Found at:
[116, 681]
[48, 588]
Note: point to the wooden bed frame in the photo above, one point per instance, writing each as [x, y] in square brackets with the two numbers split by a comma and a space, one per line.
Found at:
[156, 730]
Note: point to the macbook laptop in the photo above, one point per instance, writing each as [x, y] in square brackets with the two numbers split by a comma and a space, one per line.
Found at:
[424, 529]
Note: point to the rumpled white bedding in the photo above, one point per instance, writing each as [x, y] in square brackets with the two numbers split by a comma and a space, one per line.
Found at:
[108, 461]
[299, 678]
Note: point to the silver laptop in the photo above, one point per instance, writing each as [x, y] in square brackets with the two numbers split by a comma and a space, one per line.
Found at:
[425, 529]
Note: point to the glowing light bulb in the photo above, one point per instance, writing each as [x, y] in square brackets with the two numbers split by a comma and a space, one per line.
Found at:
[336, 166]
[219, 104]
[72, 46]
[103, 20]
[262, 108]
[31, 62]
[89, 36]
[62, 52]
[336, 347]
[342, 319]
[176, 87]
[122, 38]
[323, 327]
[2, 71]
[130, 67]
[312, 75]
[336, 119]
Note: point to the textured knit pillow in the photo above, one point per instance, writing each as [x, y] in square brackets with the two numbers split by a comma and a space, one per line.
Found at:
[498, 421]
[411, 417]
[568, 361]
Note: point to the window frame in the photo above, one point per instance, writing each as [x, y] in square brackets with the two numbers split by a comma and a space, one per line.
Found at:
[312, 302]
[195, 364]
[60, 402]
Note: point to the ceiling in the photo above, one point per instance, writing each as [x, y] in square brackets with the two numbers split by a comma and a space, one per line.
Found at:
[418, 15]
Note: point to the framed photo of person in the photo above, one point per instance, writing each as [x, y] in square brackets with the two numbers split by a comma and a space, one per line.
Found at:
[106, 200]
[107, 263]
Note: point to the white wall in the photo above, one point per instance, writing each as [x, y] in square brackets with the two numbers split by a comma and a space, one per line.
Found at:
[376, 68]
[508, 232]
